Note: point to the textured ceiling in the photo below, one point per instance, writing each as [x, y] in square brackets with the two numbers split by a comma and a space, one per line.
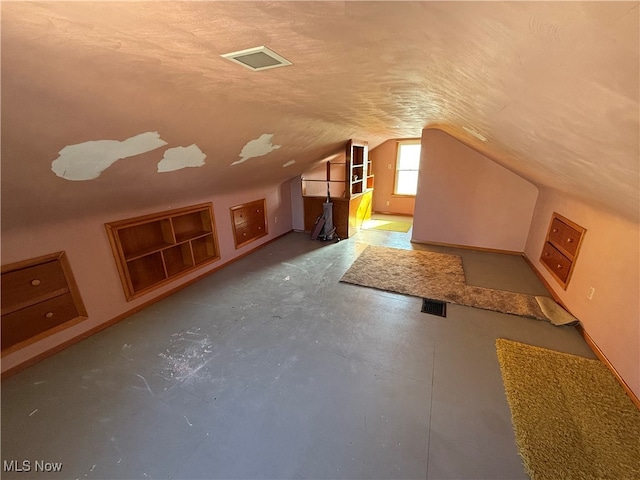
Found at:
[554, 88]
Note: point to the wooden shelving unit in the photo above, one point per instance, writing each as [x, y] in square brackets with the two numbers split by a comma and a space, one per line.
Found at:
[155, 249]
[349, 180]
[357, 161]
[369, 173]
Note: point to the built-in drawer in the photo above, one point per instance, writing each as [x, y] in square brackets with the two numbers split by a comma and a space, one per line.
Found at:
[31, 321]
[252, 214]
[247, 232]
[249, 222]
[30, 284]
[556, 261]
[240, 216]
[564, 237]
[561, 248]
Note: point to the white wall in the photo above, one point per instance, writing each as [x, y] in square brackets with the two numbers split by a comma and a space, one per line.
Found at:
[609, 261]
[465, 198]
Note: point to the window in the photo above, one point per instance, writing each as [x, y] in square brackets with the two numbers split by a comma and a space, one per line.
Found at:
[407, 163]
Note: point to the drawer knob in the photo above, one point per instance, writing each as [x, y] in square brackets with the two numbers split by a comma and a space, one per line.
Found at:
[35, 282]
[48, 315]
[559, 267]
[546, 254]
[555, 230]
[569, 240]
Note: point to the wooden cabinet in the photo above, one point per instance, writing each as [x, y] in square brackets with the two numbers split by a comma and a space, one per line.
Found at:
[249, 222]
[348, 213]
[349, 180]
[39, 297]
[155, 249]
[561, 248]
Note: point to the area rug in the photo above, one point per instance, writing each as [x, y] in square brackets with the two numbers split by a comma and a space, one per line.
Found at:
[390, 226]
[554, 312]
[437, 276]
[571, 417]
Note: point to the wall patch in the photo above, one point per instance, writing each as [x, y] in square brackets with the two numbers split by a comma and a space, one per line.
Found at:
[181, 157]
[87, 160]
[257, 148]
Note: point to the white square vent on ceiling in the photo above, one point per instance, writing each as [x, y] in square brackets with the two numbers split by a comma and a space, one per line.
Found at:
[258, 58]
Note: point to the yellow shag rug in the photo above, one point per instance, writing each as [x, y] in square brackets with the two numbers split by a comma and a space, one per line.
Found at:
[389, 226]
[572, 419]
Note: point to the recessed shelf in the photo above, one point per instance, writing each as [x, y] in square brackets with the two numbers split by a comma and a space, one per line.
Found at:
[203, 249]
[155, 249]
[146, 271]
[191, 226]
[177, 259]
[139, 240]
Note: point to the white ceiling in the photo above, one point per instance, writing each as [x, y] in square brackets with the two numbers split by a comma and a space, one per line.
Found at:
[553, 86]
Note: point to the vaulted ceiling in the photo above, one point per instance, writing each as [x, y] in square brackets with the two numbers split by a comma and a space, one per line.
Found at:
[553, 87]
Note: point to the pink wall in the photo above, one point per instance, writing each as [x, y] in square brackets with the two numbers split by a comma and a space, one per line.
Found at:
[609, 261]
[383, 159]
[87, 246]
[465, 198]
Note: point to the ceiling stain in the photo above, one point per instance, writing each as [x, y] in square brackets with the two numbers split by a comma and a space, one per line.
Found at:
[257, 148]
[87, 160]
[553, 86]
[178, 158]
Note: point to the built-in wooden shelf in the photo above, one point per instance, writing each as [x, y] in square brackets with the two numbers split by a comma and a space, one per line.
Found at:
[560, 250]
[348, 181]
[39, 298]
[153, 250]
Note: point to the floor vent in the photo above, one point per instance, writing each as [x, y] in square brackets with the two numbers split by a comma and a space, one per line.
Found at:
[434, 307]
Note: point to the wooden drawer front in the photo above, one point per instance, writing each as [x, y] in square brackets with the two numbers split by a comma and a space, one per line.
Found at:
[240, 216]
[28, 322]
[256, 215]
[27, 285]
[564, 236]
[247, 232]
[556, 261]
[250, 214]
[249, 222]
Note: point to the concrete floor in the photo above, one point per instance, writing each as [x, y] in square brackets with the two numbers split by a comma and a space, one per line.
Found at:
[271, 368]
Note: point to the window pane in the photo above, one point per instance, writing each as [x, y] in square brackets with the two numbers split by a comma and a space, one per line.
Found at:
[406, 182]
[409, 157]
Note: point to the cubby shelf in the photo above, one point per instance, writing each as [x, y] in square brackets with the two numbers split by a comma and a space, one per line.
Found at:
[155, 249]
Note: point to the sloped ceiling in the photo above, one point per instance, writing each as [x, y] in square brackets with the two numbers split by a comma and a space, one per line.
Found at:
[553, 87]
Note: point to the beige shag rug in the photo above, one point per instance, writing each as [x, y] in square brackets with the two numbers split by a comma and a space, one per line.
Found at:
[436, 276]
[572, 419]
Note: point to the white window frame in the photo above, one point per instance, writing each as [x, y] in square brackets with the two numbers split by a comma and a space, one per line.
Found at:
[399, 144]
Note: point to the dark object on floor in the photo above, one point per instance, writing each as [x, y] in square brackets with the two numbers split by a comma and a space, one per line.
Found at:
[434, 307]
[323, 228]
[317, 227]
